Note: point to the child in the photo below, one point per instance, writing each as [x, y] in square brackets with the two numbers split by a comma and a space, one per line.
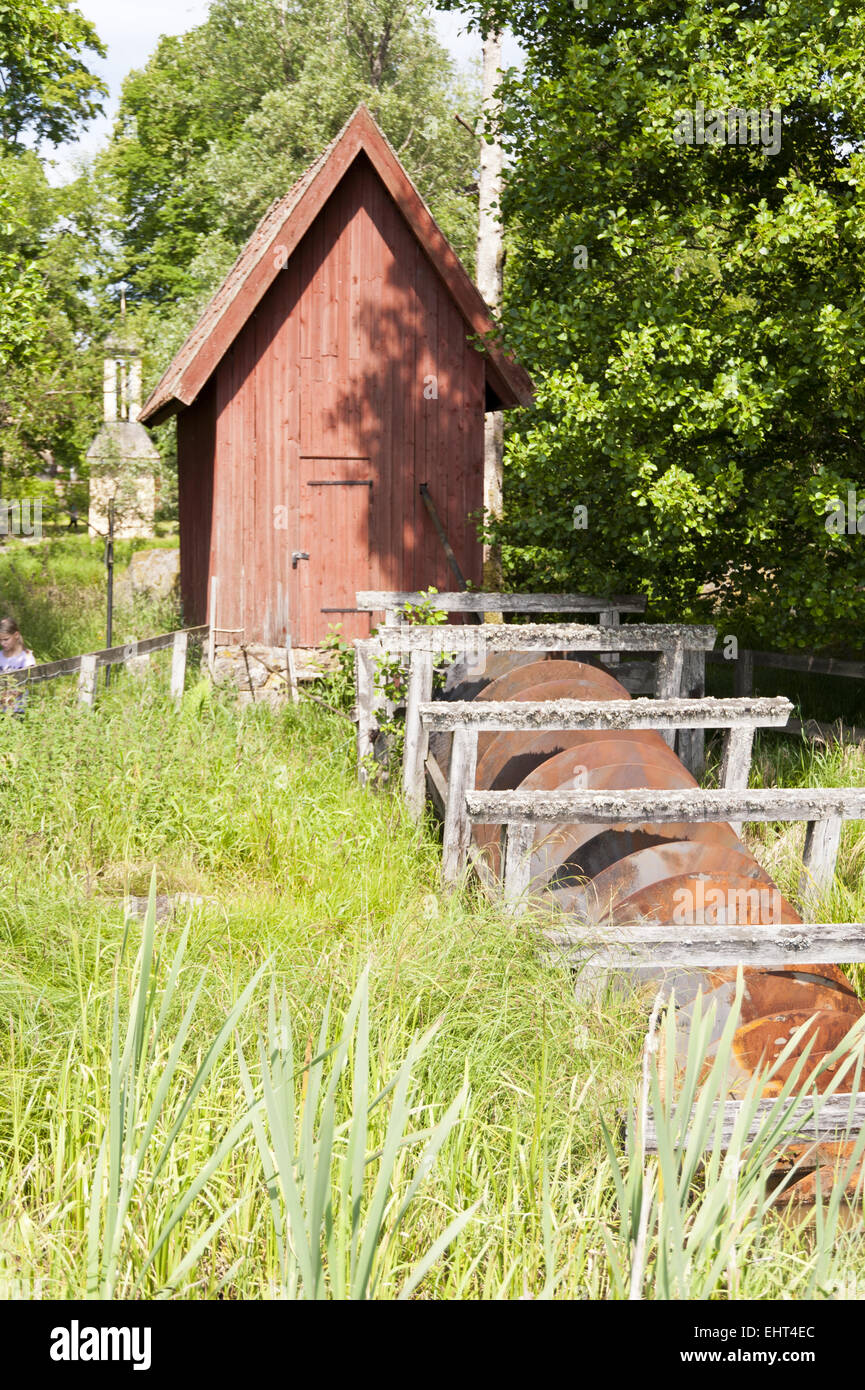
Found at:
[14, 656]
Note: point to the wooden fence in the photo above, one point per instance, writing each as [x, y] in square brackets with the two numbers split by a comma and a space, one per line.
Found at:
[743, 682]
[86, 666]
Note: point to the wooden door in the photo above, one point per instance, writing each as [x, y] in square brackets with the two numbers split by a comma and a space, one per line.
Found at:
[336, 501]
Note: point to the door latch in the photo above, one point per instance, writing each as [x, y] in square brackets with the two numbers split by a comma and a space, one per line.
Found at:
[298, 555]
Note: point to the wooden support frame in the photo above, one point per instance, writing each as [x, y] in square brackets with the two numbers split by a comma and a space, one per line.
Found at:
[823, 808]
[466, 719]
[672, 641]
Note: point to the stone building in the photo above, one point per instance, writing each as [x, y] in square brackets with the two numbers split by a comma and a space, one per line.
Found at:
[123, 458]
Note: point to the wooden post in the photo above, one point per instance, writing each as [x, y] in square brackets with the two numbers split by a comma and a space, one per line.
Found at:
[519, 840]
[736, 763]
[457, 831]
[669, 682]
[736, 759]
[109, 566]
[692, 742]
[364, 680]
[211, 636]
[130, 655]
[743, 674]
[609, 619]
[87, 679]
[290, 672]
[178, 665]
[822, 839]
[420, 681]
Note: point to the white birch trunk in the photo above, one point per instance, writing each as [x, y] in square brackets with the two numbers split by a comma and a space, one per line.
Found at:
[490, 256]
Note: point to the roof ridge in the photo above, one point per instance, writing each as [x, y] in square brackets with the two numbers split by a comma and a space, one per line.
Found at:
[181, 381]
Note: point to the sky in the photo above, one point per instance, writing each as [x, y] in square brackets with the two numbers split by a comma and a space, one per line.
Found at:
[131, 28]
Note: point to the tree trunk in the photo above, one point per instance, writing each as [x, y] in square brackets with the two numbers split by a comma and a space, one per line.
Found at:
[489, 278]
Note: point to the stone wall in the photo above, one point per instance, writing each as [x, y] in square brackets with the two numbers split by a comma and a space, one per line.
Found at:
[259, 672]
[135, 505]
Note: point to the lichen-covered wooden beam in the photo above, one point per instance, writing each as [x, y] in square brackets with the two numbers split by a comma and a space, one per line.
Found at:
[486, 715]
[543, 637]
[701, 946]
[699, 804]
[826, 1118]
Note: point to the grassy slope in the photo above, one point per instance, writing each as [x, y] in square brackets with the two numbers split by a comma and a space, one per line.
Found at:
[56, 593]
[261, 814]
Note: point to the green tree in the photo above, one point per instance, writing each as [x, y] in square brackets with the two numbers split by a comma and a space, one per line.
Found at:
[46, 90]
[51, 321]
[694, 315]
[46, 236]
[223, 119]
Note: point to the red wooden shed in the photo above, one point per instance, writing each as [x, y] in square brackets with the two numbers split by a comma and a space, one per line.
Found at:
[336, 370]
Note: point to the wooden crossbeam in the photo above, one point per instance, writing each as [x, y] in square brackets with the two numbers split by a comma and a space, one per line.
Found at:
[474, 601]
[539, 716]
[701, 804]
[669, 639]
[828, 1118]
[676, 946]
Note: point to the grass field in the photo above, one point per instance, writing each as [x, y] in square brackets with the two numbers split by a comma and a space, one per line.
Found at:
[159, 1164]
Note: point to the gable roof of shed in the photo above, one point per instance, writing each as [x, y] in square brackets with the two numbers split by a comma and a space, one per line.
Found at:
[289, 218]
